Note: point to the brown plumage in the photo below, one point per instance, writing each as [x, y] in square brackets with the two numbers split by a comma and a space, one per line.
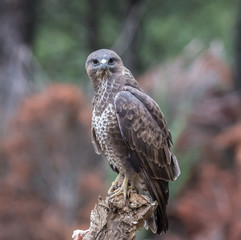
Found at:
[129, 128]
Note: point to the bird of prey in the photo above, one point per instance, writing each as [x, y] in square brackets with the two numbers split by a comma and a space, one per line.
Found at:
[130, 130]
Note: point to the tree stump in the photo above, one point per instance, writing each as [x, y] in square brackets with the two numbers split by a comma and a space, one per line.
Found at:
[117, 219]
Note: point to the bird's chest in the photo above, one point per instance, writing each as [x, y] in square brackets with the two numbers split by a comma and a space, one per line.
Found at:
[106, 127]
[109, 137]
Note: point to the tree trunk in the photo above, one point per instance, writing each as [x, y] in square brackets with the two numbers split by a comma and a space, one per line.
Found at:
[92, 16]
[17, 22]
[126, 45]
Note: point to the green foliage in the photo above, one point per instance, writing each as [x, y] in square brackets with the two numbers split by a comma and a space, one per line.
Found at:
[62, 42]
[169, 28]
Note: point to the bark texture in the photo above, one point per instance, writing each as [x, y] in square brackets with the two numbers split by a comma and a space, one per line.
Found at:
[116, 218]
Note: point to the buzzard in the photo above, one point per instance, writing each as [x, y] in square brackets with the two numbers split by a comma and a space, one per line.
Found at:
[130, 130]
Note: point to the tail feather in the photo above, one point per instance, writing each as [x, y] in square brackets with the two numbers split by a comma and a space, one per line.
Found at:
[151, 223]
[158, 190]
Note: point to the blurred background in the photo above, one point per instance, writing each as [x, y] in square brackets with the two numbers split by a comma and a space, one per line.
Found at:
[186, 54]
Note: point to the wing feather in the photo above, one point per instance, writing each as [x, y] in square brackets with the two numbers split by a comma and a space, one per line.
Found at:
[144, 130]
[142, 126]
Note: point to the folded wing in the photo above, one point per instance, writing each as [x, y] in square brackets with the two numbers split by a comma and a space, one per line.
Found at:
[144, 130]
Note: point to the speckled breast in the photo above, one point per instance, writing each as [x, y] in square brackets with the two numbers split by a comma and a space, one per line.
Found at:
[109, 137]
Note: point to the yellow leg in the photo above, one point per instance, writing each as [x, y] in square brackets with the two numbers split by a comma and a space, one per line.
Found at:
[123, 189]
[114, 185]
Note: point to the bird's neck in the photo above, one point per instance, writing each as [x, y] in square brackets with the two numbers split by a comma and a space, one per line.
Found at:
[105, 92]
[107, 86]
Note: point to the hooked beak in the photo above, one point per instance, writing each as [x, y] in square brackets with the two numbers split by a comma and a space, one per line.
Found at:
[103, 64]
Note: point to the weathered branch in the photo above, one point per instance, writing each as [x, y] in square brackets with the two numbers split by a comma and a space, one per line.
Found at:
[116, 218]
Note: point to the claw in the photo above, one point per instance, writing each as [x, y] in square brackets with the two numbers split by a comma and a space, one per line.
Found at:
[114, 185]
[123, 189]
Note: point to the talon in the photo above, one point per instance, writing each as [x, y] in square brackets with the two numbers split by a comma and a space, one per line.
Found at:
[114, 187]
[123, 189]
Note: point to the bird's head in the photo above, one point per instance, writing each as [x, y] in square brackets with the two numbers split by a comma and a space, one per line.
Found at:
[103, 62]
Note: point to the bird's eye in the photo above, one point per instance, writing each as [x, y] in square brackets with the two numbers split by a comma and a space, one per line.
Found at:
[95, 61]
[111, 61]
